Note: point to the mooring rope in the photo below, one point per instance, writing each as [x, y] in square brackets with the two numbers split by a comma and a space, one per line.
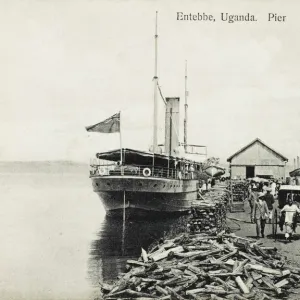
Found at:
[124, 224]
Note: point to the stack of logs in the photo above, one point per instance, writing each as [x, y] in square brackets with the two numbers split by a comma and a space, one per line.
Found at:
[209, 213]
[239, 190]
[202, 266]
[208, 217]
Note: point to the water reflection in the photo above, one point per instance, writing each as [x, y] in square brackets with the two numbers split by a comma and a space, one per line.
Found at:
[115, 244]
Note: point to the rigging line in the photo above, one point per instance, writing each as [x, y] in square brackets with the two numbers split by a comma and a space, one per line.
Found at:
[161, 94]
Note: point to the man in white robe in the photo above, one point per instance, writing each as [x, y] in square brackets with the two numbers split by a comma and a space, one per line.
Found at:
[290, 210]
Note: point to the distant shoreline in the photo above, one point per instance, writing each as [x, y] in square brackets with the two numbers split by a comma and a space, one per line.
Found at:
[43, 167]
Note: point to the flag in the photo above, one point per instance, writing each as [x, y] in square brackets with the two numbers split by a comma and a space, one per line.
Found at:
[109, 125]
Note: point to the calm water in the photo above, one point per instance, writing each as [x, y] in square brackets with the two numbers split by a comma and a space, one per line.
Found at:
[56, 242]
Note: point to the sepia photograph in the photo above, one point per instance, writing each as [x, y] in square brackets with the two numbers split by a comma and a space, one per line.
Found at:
[150, 150]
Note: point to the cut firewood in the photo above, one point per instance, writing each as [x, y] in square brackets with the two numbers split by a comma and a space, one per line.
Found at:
[282, 283]
[206, 263]
[131, 293]
[135, 262]
[105, 287]
[144, 255]
[161, 290]
[227, 274]
[242, 285]
[174, 294]
[240, 267]
[164, 254]
[286, 272]
[215, 297]
[226, 256]
[188, 254]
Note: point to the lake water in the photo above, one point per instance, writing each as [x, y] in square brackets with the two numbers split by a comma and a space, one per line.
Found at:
[56, 242]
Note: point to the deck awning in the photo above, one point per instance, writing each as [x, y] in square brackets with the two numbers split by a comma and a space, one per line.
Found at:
[136, 157]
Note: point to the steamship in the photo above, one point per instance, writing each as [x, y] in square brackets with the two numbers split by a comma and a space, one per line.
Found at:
[155, 183]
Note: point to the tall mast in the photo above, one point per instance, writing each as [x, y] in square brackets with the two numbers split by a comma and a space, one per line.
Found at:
[185, 109]
[155, 80]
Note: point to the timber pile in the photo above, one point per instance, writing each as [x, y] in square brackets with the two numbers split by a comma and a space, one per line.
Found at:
[202, 266]
[209, 213]
[238, 195]
[208, 217]
[239, 190]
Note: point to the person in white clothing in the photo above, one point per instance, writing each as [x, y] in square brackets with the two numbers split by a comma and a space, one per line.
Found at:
[208, 184]
[265, 187]
[273, 188]
[290, 210]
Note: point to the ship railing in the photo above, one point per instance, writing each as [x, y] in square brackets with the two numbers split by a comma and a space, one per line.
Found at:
[112, 169]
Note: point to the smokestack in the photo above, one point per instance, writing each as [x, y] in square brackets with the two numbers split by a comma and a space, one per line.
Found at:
[172, 126]
[297, 162]
[294, 163]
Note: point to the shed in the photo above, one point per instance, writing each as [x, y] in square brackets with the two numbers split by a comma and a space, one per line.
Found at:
[257, 159]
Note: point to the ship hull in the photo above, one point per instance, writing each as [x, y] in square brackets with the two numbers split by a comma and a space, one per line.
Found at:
[143, 197]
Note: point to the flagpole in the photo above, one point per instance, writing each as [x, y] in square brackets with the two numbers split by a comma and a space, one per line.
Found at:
[120, 134]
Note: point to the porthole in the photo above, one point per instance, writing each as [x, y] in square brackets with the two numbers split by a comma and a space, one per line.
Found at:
[97, 184]
[155, 185]
[108, 183]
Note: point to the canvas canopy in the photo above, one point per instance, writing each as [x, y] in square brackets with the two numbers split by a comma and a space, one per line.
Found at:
[290, 188]
[135, 157]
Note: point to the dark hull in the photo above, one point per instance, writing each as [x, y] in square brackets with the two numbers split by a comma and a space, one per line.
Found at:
[145, 197]
[137, 213]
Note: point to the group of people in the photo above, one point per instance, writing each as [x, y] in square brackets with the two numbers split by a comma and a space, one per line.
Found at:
[261, 200]
[186, 171]
[206, 185]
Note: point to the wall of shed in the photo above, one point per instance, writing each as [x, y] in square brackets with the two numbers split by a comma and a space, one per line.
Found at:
[276, 171]
[257, 154]
[239, 172]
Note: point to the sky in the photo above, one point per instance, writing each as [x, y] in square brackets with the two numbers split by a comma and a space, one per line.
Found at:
[69, 64]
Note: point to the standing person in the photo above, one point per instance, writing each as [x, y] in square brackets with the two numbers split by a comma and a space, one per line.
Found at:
[277, 187]
[273, 188]
[269, 198]
[265, 187]
[192, 170]
[258, 187]
[290, 210]
[200, 189]
[251, 198]
[260, 214]
[186, 171]
[208, 184]
[249, 190]
[213, 182]
[204, 185]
